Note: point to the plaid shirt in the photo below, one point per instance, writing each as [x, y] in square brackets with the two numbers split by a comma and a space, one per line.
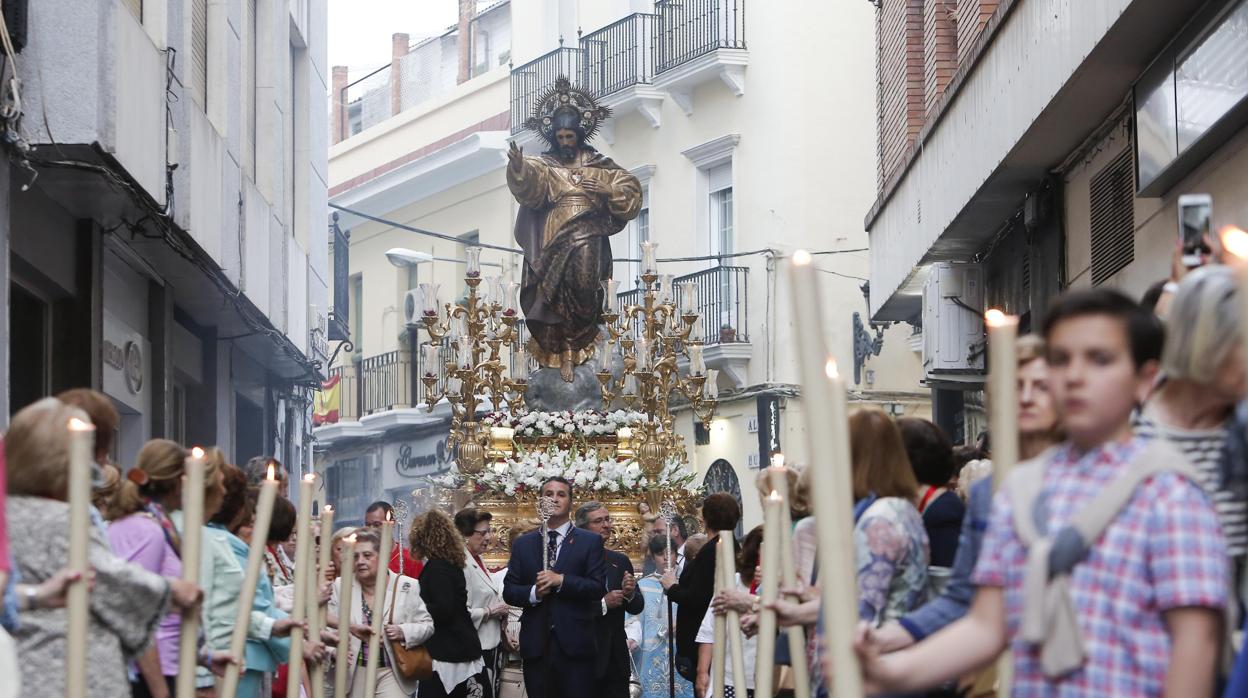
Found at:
[1163, 551]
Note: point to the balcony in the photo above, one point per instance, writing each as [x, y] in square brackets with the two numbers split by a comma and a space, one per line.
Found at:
[633, 64]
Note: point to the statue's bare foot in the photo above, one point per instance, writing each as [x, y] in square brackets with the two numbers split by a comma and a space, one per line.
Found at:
[565, 368]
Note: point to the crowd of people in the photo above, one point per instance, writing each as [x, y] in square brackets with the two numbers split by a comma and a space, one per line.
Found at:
[1110, 561]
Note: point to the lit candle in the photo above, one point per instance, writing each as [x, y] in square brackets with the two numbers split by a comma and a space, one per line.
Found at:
[769, 590]
[827, 434]
[429, 299]
[710, 389]
[472, 257]
[316, 612]
[303, 569]
[778, 479]
[648, 264]
[81, 446]
[687, 302]
[247, 594]
[697, 366]
[718, 666]
[1002, 392]
[609, 295]
[192, 537]
[513, 298]
[1235, 242]
[725, 559]
[347, 576]
[433, 362]
[520, 365]
[379, 603]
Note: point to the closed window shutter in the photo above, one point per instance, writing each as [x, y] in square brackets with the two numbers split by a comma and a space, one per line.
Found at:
[1113, 218]
[199, 52]
[135, 7]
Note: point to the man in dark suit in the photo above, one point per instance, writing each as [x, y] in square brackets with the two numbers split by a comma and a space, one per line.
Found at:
[692, 593]
[558, 640]
[613, 666]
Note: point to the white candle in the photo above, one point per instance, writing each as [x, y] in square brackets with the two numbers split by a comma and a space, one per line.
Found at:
[710, 389]
[192, 535]
[697, 366]
[648, 263]
[725, 559]
[247, 595]
[347, 574]
[1235, 242]
[520, 365]
[769, 591]
[465, 352]
[696, 333]
[1002, 392]
[81, 446]
[472, 257]
[609, 295]
[642, 348]
[778, 478]
[303, 569]
[718, 665]
[378, 606]
[433, 362]
[827, 434]
[316, 612]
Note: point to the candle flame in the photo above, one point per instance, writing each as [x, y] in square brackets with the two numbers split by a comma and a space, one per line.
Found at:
[802, 258]
[777, 460]
[831, 370]
[310, 477]
[272, 472]
[76, 424]
[329, 508]
[197, 452]
[350, 539]
[1235, 241]
[996, 318]
[389, 518]
[775, 497]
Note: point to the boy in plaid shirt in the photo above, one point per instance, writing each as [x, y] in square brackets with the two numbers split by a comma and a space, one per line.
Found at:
[1148, 594]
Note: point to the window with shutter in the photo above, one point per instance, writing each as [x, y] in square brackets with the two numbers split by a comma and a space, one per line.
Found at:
[1113, 218]
[135, 7]
[199, 52]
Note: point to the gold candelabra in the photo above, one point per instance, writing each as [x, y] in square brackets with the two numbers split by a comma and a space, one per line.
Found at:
[653, 336]
[479, 326]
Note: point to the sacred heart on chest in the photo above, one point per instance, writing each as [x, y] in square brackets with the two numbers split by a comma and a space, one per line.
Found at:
[577, 178]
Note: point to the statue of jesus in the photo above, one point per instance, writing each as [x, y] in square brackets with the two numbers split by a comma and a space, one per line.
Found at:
[572, 199]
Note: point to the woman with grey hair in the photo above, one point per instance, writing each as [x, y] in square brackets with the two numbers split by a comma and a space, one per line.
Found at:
[1202, 380]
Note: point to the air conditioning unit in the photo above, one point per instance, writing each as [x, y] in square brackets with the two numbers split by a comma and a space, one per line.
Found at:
[953, 323]
[411, 307]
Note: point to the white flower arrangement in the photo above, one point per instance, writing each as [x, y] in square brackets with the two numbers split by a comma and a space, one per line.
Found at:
[587, 424]
[525, 472]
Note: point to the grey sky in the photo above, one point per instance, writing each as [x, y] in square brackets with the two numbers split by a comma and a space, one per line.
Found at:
[360, 30]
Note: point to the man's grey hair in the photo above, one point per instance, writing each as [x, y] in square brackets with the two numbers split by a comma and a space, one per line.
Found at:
[1203, 325]
[584, 510]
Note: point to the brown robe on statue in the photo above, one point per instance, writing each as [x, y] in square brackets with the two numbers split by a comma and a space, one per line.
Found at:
[564, 232]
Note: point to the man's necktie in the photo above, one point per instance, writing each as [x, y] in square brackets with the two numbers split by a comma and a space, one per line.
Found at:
[552, 546]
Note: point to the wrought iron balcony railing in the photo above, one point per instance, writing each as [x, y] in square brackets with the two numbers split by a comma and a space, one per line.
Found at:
[620, 54]
[530, 80]
[721, 303]
[693, 28]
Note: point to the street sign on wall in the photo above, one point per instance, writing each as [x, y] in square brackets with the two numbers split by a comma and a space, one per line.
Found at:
[768, 428]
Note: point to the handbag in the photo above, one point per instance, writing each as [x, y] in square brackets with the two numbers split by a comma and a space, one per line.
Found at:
[413, 664]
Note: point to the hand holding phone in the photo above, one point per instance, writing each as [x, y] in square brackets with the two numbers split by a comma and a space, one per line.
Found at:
[1195, 212]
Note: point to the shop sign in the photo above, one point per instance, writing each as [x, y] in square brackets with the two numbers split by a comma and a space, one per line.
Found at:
[417, 458]
[125, 362]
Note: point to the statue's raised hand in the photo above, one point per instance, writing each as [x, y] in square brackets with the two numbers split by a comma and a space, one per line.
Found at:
[516, 156]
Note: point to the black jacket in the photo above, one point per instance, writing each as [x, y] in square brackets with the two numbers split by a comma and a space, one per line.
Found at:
[445, 593]
[612, 642]
[692, 595]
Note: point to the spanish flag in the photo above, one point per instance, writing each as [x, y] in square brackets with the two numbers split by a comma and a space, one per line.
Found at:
[326, 402]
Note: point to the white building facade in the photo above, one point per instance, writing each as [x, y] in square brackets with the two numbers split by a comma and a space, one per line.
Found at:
[172, 250]
[749, 135]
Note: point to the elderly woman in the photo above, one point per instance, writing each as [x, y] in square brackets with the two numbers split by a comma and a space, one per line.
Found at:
[405, 619]
[458, 670]
[127, 601]
[1202, 380]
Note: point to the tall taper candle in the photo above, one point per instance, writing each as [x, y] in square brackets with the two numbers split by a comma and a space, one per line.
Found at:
[765, 668]
[827, 439]
[81, 447]
[303, 570]
[247, 595]
[1235, 242]
[1002, 392]
[192, 535]
[718, 665]
[795, 635]
[347, 576]
[316, 612]
[379, 605]
[727, 561]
